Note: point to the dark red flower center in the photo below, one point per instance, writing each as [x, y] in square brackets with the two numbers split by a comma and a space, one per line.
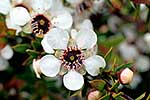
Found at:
[40, 25]
[72, 58]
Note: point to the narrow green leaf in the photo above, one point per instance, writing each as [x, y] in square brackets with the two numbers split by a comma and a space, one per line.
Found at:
[111, 41]
[128, 65]
[21, 48]
[35, 44]
[141, 96]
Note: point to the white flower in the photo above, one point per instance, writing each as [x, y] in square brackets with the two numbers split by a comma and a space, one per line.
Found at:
[5, 54]
[46, 16]
[36, 16]
[113, 22]
[142, 63]
[128, 51]
[72, 59]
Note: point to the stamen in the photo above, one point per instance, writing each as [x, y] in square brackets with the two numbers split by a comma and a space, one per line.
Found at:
[72, 58]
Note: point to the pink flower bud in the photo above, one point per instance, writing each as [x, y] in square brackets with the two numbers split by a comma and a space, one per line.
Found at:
[94, 95]
[126, 76]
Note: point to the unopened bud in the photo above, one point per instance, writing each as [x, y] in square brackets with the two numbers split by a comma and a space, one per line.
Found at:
[126, 76]
[94, 95]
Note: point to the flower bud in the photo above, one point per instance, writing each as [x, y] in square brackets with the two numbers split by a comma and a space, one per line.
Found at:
[126, 76]
[93, 95]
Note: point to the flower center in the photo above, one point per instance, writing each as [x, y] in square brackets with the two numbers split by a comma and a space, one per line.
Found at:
[40, 25]
[72, 58]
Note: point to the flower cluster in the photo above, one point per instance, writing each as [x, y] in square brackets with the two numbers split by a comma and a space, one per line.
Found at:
[52, 21]
[72, 41]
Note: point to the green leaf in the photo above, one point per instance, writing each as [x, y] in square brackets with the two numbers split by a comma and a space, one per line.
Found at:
[111, 41]
[141, 96]
[21, 48]
[32, 53]
[115, 85]
[36, 44]
[98, 84]
[128, 65]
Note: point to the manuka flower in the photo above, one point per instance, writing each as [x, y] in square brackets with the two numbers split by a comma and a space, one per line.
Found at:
[36, 16]
[67, 56]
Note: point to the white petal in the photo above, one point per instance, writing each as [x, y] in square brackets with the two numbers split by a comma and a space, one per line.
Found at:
[46, 46]
[19, 16]
[92, 64]
[86, 24]
[73, 80]
[5, 6]
[36, 67]
[27, 28]
[7, 52]
[57, 5]
[50, 65]
[57, 38]
[62, 19]
[11, 25]
[41, 6]
[86, 39]
[3, 64]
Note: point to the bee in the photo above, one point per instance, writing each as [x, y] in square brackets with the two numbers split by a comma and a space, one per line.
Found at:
[84, 5]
